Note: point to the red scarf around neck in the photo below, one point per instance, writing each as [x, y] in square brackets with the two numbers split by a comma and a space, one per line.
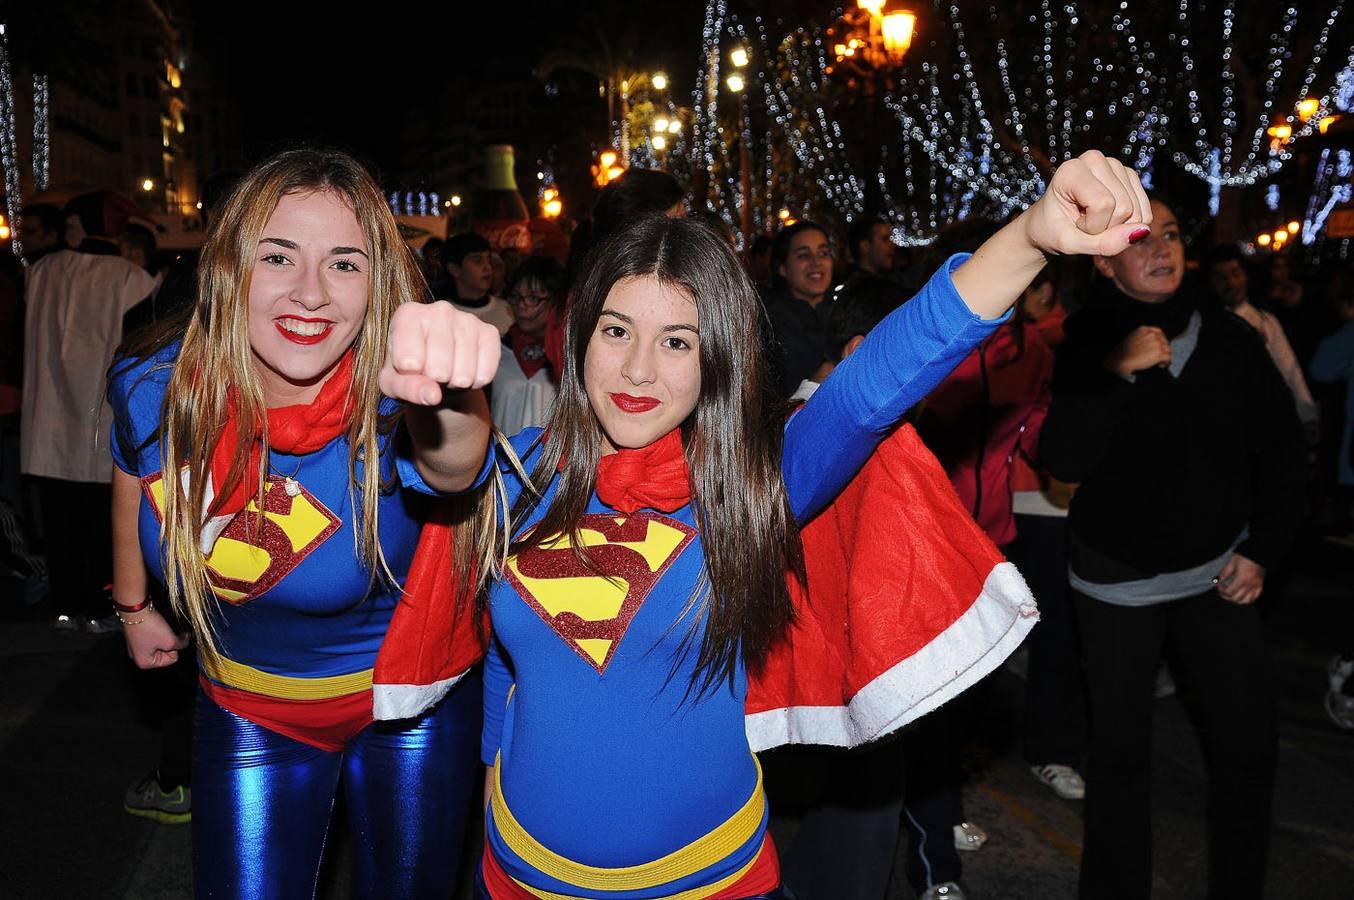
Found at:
[654, 476]
[529, 350]
[303, 428]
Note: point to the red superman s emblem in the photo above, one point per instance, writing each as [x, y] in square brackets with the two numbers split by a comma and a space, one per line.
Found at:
[589, 612]
[260, 547]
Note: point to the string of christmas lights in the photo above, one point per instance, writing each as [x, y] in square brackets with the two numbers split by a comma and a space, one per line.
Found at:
[980, 133]
[9, 145]
[42, 148]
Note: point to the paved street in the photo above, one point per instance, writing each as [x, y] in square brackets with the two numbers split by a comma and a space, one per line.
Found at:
[71, 739]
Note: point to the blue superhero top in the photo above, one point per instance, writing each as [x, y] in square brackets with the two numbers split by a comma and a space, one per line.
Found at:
[615, 779]
[300, 618]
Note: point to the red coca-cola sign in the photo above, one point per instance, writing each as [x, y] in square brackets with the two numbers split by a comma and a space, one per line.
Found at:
[509, 234]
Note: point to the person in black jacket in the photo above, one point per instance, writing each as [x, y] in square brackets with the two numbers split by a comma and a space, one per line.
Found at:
[798, 307]
[1183, 437]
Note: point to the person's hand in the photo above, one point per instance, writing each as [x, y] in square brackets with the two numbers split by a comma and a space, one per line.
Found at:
[1058, 493]
[151, 642]
[1241, 580]
[1094, 205]
[436, 345]
[1146, 346]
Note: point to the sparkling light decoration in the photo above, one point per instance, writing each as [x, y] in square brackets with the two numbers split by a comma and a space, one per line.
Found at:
[798, 126]
[981, 132]
[9, 145]
[42, 148]
[1262, 159]
[1332, 188]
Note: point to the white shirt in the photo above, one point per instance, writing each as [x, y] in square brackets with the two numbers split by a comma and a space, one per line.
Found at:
[516, 401]
[71, 328]
[1285, 360]
[497, 312]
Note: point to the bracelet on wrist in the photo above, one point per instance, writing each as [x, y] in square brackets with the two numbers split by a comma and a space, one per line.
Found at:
[147, 608]
[132, 608]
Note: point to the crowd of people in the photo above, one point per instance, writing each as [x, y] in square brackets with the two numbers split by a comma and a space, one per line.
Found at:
[384, 523]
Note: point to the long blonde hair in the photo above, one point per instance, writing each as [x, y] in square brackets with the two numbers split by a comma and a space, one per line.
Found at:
[215, 361]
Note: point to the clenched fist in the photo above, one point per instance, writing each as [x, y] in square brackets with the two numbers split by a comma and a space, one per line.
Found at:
[1093, 205]
[436, 345]
[1146, 346]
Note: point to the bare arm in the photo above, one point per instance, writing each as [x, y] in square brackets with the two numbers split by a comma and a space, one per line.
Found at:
[151, 642]
[129, 571]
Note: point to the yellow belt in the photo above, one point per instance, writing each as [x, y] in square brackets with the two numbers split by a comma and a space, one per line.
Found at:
[286, 687]
[705, 851]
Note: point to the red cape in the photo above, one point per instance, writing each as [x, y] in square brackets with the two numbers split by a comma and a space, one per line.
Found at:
[908, 604]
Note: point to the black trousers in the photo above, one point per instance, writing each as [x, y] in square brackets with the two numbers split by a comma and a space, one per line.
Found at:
[77, 539]
[1055, 692]
[864, 798]
[1223, 668]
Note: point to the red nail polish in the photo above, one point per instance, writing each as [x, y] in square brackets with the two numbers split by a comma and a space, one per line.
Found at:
[1139, 235]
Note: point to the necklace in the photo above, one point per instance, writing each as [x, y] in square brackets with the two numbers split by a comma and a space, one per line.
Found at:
[289, 482]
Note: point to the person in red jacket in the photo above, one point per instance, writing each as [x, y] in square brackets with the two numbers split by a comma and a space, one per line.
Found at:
[987, 410]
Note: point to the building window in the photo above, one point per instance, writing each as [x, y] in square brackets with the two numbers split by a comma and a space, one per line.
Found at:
[131, 84]
[134, 125]
[148, 87]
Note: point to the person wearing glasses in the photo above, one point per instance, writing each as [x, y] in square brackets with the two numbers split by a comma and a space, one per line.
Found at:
[524, 387]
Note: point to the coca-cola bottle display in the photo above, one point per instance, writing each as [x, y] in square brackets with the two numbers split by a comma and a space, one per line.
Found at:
[497, 211]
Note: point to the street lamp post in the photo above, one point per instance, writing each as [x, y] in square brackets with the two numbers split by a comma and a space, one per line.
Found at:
[871, 43]
[737, 84]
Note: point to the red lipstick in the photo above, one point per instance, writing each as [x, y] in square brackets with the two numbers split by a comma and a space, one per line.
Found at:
[629, 404]
[303, 339]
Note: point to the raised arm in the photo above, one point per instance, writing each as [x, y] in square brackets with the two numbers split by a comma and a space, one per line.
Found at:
[1093, 205]
[437, 362]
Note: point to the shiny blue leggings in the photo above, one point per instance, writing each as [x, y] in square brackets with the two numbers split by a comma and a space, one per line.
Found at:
[262, 803]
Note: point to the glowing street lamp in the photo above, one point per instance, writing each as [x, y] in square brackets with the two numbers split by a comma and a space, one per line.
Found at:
[456, 200]
[735, 83]
[739, 57]
[873, 7]
[660, 124]
[659, 81]
[1307, 108]
[898, 28]
[1263, 240]
[147, 185]
[551, 204]
[607, 169]
[675, 126]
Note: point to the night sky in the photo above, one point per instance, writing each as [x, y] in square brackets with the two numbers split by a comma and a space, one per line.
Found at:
[308, 71]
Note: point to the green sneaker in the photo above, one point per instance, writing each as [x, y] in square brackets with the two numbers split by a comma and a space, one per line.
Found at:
[146, 799]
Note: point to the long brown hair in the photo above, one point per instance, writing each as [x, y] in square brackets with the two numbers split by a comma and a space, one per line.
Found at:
[732, 439]
[215, 360]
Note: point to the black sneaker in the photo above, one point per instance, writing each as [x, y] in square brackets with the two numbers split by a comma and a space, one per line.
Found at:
[145, 798]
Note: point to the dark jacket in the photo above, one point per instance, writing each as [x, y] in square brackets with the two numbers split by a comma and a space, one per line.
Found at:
[799, 338]
[1172, 469]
